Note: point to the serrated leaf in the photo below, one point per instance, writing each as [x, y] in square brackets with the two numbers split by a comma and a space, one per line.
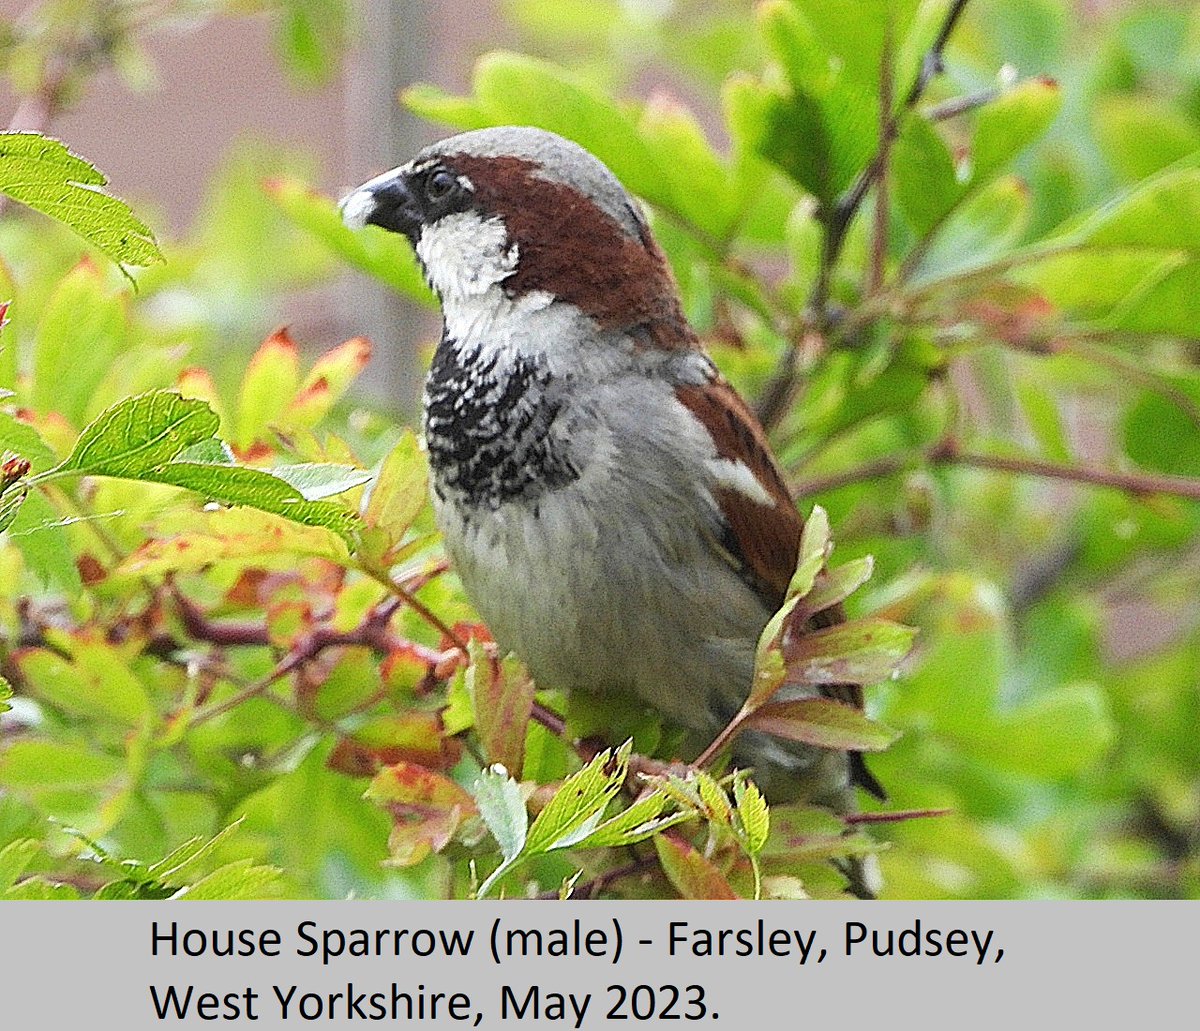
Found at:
[10, 505]
[583, 797]
[140, 434]
[14, 858]
[182, 861]
[716, 803]
[862, 651]
[42, 173]
[643, 819]
[25, 441]
[45, 545]
[822, 722]
[752, 812]
[500, 804]
[6, 693]
[242, 879]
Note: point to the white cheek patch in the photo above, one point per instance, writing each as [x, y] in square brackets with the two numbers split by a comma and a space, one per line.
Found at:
[465, 255]
[734, 475]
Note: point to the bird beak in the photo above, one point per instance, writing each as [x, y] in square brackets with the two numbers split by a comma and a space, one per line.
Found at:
[385, 201]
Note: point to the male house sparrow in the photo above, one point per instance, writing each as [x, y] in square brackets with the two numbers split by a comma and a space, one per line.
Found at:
[610, 503]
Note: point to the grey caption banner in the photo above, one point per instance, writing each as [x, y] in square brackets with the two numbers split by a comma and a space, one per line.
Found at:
[588, 965]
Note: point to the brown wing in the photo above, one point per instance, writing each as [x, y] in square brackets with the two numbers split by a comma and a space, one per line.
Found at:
[764, 538]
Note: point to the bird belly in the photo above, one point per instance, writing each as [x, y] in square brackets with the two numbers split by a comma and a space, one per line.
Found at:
[569, 589]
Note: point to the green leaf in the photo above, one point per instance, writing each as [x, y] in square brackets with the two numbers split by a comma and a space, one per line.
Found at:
[518, 90]
[1044, 419]
[700, 181]
[815, 547]
[25, 441]
[394, 500]
[1058, 734]
[823, 722]
[6, 693]
[643, 819]
[39, 889]
[862, 651]
[927, 184]
[140, 435]
[985, 226]
[242, 879]
[580, 802]
[436, 105]
[44, 544]
[93, 680]
[10, 504]
[14, 858]
[836, 586]
[753, 814]
[81, 331]
[1160, 212]
[317, 480]
[42, 173]
[1142, 135]
[383, 255]
[1010, 123]
[50, 764]
[255, 488]
[268, 385]
[1158, 435]
[503, 810]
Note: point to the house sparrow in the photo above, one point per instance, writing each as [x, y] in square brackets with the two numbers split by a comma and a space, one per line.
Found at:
[610, 503]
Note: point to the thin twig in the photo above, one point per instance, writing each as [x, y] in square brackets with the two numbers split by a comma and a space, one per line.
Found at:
[947, 452]
[956, 106]
[879, 235]
[836, 221]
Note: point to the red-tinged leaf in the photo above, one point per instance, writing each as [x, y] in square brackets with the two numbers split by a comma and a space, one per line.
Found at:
[270, 382]
[197, 383]
[502, 699]
[327, 381]
[412, 737]
[693, 876]
[824, 723]
[863, 651]
[426, 809]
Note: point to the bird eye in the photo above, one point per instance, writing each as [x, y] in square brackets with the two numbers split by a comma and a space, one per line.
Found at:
[440, 185]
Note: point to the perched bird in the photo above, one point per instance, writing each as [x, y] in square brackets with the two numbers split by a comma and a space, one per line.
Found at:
[610, 503]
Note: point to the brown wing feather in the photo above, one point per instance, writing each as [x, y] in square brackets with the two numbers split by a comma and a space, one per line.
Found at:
[765, 538]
